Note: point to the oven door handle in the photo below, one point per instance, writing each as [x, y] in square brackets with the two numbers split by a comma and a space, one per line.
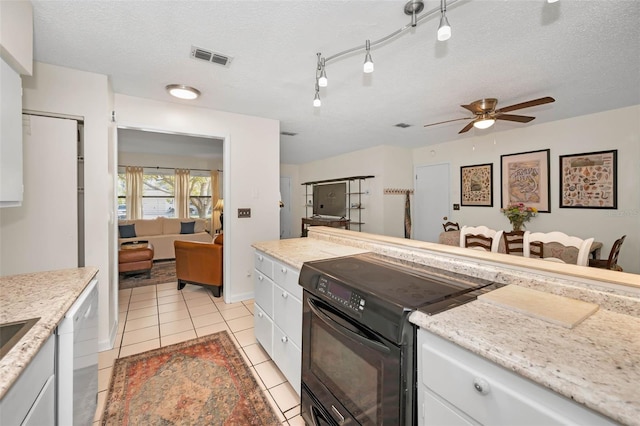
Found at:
[337, 323]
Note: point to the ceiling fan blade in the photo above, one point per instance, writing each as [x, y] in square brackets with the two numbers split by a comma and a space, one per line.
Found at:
[467, 127]
[527, 104]
[512, 117]
[447, 121]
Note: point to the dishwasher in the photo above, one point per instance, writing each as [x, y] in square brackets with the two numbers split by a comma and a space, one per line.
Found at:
[77, 360]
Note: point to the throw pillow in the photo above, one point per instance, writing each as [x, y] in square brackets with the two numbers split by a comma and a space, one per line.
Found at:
[187, 227]
[127, 231]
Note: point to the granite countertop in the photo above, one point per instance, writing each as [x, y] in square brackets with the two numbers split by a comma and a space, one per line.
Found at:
[296, 251]
[47, 295]
[597, 363]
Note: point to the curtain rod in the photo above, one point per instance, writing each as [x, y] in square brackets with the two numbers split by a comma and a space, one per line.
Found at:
[170, 168]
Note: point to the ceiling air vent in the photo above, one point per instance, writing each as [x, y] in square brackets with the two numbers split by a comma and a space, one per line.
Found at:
[402, 125]
[288, 133]
[210, 56]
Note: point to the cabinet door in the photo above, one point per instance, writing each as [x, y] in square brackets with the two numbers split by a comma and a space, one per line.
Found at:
[264, 293]
[263, 329]
[42, 412]
[10, 136]
[438, 413]
[288, 358]
[287, 314]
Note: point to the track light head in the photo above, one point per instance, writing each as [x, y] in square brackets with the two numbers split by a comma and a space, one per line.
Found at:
[316, 100]
[444, 30]
[322, 80]
[368, 62]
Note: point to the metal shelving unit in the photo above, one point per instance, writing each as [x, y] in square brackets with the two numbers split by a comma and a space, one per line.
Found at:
[354, 198]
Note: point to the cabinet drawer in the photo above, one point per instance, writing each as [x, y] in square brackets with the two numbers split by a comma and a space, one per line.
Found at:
[436, 412]
[287, 314]
[287, 278]
[288, 358]
[263, 288]
[263, 329]
[263, 264]
[43, 411]
[489, 393]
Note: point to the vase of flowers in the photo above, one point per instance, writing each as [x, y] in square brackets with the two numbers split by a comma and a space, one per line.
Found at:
[518, 214]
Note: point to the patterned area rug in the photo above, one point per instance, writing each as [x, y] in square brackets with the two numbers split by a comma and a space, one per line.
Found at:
[162, 272]
[199, 382]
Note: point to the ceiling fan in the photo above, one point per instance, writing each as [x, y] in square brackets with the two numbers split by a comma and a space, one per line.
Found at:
[486, 114]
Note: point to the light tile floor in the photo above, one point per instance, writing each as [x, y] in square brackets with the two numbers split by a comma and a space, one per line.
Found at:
[155, 316]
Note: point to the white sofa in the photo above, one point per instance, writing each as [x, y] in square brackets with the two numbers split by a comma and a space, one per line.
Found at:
[161, 232]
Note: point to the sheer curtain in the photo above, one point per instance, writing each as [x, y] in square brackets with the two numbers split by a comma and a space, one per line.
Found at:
[134, 183]
[182, 193]
[215, 194]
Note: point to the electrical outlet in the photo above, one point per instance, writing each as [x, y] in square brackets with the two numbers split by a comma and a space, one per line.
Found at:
[244, 213]
[456, 206]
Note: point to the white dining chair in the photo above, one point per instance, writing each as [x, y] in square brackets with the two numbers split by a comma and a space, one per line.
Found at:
[582, 245]
[484, 231]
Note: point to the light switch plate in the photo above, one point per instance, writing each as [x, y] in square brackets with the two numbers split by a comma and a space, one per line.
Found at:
[244, 213]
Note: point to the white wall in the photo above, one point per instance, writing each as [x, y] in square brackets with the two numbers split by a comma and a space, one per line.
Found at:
[618, 129]
[251, 175]
[48, 90]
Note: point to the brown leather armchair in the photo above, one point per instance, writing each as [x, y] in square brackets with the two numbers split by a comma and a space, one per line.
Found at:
[200, 264]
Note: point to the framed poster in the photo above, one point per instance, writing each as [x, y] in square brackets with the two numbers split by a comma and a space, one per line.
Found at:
[476, 185]
[589, 181]
[524, 178]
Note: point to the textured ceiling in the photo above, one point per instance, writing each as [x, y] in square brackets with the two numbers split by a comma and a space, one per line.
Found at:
[586, 54]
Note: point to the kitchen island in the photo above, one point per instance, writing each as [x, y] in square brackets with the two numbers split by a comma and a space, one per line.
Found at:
[44, 295]
[597, 363]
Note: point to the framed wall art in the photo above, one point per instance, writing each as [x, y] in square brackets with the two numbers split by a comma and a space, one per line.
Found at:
[524, 178]
[476, 185]
[589, 180]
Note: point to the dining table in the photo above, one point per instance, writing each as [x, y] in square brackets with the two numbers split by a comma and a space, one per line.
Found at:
[567, 254]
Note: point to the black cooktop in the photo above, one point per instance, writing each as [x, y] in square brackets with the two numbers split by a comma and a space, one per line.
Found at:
[407, 284]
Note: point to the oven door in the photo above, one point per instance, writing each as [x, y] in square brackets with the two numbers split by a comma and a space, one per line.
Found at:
[352, 375]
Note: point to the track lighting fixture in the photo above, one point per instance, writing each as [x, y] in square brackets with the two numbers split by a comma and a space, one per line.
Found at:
[411, 8]
[444, 30]
[368, 62]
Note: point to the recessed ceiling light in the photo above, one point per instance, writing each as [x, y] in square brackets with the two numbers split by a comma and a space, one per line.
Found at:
[183, 92]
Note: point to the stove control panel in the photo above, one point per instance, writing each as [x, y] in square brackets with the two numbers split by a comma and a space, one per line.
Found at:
[340, 294]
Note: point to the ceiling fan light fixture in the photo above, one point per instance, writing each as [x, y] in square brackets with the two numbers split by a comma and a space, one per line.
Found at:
[368, 62]
[484, 123]
[182, 92]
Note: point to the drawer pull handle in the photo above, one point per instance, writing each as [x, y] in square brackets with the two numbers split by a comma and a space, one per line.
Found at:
[284, 339]
[260, 258]
[285, 295]
[260, 278]
[284, 270]
[481, 385]
[260, 314]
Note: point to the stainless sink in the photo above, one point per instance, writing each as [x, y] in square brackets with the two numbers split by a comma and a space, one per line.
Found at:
[12, 332]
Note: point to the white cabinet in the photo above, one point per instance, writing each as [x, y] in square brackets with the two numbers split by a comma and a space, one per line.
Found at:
[458, 387]
[278, 315]
[30, 400]
[10, 136]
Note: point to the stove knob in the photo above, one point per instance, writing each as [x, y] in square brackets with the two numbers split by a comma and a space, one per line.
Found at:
[481, 385]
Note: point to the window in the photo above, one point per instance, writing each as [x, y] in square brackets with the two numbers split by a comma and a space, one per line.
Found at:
[158, 194]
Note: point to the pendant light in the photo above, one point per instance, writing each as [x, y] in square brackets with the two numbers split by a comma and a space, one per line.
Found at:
[368, 62]
[322, 80]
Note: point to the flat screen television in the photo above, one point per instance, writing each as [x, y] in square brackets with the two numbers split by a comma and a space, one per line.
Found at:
[330, 199]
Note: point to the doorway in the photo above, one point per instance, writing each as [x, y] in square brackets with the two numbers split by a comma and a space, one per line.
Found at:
[432, 189]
